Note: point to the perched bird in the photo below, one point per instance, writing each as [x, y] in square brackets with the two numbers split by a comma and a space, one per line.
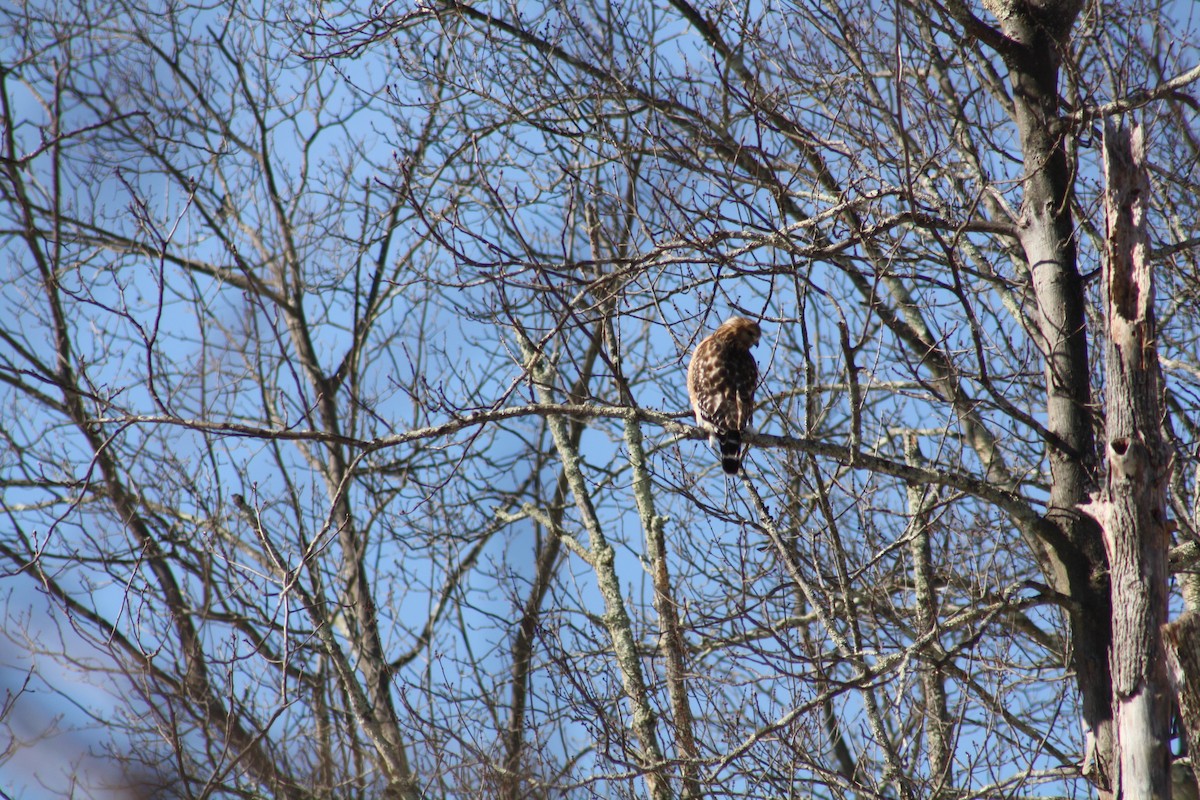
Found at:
[721, 379]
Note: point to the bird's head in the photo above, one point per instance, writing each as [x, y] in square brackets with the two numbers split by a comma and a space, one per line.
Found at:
[743, 332]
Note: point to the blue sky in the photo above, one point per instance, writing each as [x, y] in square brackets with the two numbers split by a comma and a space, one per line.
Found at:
[444, 339]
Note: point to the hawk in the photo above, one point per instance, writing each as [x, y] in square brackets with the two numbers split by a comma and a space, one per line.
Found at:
[721, 379]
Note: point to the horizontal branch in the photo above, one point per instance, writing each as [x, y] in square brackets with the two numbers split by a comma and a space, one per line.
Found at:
[1136, 99]
[1011, 502]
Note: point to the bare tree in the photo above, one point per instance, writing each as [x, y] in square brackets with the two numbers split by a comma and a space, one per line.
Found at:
[226, 273]
[343, 366]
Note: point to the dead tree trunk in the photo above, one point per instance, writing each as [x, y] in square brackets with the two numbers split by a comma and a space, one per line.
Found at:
[1131, 506]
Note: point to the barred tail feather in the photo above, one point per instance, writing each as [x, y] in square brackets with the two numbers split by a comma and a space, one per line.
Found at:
[730, 444]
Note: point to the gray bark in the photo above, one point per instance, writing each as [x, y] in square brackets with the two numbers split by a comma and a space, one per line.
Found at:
[1131, 506]
[1032, 36]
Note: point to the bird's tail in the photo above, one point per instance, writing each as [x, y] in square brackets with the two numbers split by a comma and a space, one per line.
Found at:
[730, 445]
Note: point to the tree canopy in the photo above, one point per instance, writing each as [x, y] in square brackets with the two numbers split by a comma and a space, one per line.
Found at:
[345, 445]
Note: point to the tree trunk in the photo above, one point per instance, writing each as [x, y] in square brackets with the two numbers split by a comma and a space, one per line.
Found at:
[1032, 39]
[1131, 506]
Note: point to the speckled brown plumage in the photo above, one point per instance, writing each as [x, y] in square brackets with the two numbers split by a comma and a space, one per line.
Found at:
[721, 379]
